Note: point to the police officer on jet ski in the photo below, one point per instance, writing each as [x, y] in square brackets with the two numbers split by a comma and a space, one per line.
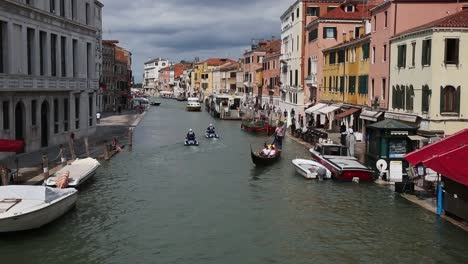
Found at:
[210, 129]
[191, 135]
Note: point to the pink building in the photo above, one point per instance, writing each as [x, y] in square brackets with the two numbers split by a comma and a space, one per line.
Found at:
[389, 19]
[344, 23]
[165, 79]
[271, 74]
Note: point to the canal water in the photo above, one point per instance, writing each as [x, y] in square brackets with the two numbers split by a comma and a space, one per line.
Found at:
[166, 203]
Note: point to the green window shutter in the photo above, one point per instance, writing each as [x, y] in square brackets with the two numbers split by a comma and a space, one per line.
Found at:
[442, 100]
[404, 56]
[424, 53]
[429, 43]
[457, 99]
[457, 42]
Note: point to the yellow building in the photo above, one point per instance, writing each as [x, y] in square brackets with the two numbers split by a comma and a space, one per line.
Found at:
[195, 77]
[345, 84]
[203, 74]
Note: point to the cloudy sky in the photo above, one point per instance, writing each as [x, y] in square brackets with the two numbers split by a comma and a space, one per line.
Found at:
[184, 29]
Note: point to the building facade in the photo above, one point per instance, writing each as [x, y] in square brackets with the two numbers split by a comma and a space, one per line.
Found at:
[49, 70]
[433, 52]
[271, 76]
[151, 74]
[229, 77]
[390, 18]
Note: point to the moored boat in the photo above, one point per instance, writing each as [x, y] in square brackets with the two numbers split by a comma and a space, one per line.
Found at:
[79, 171]
[24, 207]
[343, 167]
[310, 169]
[261, 160]
[255, 126]
[193, 104]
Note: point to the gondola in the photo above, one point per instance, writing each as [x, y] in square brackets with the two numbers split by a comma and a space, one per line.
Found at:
[264, 161]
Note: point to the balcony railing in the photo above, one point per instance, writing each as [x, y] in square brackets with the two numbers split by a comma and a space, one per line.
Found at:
[311, 80]
[27, 83]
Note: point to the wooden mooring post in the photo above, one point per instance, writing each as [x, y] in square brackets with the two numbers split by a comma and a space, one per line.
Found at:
[106, 150]
[4, 174]
[130, 138]
[72, 148]
[45, 166]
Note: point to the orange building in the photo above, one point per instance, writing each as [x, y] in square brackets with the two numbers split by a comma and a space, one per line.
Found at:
[271, 74]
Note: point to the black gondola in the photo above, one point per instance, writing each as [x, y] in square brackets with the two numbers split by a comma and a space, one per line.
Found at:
[260, 160]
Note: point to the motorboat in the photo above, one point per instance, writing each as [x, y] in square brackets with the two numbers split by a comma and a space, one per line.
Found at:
[191, 142]
[193, 104]
[24, 207]
[342, 166]
[310, 169]
[211, 135]
[260, 160]
[79, 170]
[225, 106]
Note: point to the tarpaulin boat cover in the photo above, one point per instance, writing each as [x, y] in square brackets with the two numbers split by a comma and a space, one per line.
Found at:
[447, 157]
[38, 193]
[7, 145]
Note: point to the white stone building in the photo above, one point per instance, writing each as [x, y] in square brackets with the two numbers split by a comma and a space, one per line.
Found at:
[49, 69]
[151, 74]
[292, 32]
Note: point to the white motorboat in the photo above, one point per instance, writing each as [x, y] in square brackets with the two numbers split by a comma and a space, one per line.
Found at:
[24, 207]
[309, 168]
[193, 104]
[80, 170]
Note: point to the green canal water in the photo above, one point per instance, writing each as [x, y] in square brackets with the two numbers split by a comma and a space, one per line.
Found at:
[166, 203]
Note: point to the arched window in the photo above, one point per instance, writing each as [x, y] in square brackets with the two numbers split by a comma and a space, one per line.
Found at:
[450, 99]
[425, 98]
[309, 66]
[409, 97]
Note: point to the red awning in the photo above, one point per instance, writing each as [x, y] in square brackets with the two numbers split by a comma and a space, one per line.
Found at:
[451, 164]
[440, 147]
[347, 113]
[7, 145]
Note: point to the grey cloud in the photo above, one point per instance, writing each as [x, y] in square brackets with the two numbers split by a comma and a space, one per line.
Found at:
[184, 29]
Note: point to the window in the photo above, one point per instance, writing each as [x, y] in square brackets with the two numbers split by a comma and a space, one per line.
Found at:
[409, 97]
[309, 66]
[373, 88]
[290, 78]
[52, 6]
[30, 46]
[362, 85]
[297, 43]
[332, 57]
[90, 109]
[341, 56]
[6, 115]
[33, 112]
[329, 32]
[342, 84]
[330, 8]
[384, 87]
[292, 44]
[66, 114]
[375, 23]
[365, 51]
[356, 32]
[74, 57]
[401, 56]
[349, 8]
[62, 8]
[56, 116]
[88, 60]
[204, 86]
[385, 52]
[292, 17]
[425, 98]
[449, 99]
[324, 83]
[465, 7]
[352, 84]
[451, 51]
[73, 9]
[77, 112]
[247, 60]
[313, 34]
[313, 11]
[386, 17]
[426, 52]
[296, 78]
[3, 46]
[330, 84]
[297, 13]
[42, 51]
[373, 55]
[413, 54]
[63, 55]
[53, 54]
[87, 18]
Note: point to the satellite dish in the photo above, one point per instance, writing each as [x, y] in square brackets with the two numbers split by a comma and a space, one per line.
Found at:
[381, 165]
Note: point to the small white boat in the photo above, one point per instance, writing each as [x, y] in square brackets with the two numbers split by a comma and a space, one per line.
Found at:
[24, 207]
[80, 170]
[309, 168]
[193, 104]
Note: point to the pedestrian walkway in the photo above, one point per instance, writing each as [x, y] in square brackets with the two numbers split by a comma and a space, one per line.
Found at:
[111, 125]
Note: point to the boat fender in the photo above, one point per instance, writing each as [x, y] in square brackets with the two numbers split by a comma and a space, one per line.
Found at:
[356, 179]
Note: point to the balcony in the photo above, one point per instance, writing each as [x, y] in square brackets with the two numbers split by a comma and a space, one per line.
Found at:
[18, 83]
[288, 88]
[311, 80]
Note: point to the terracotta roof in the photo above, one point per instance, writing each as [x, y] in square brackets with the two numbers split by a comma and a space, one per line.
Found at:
[216, 61]
[362, 11]
[229, 66]
[457, 20]
[349, 43]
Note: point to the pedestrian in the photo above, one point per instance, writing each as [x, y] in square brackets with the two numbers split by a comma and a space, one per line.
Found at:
[114, 109]
[350, 142]
[119, 109]
[293, 125]
[98, 117]
[279, 134]
[344, 134]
